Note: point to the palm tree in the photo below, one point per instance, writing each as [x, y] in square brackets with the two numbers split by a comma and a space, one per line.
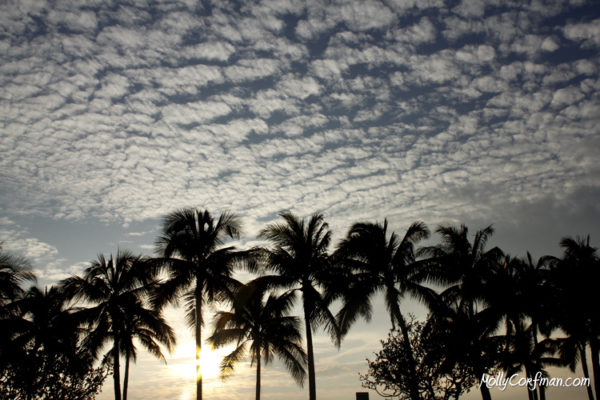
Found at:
[14, 273]
[520, 294]
[574, 278]
[150, 329]
[468, 269]
[117, 289]
[468, 339]
[301, 260]
[262, 327]
[372, 263]
[571, 350]
[199, 269]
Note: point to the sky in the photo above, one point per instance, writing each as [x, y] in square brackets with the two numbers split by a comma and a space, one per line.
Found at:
[115, 113]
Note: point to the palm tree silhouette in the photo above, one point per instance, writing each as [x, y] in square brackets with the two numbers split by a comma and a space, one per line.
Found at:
[468, 269]
[301, 260]
[372, 262]
[198, 268]
[149, 328]
[519, 292]
[14, 273]
[262, 327]
[469, 339]
[117, 289]
[575, 279]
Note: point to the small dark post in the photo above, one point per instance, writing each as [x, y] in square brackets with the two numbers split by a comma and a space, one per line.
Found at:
[362, 395]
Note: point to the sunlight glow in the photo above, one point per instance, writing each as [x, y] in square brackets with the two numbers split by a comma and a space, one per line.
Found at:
[183, 363]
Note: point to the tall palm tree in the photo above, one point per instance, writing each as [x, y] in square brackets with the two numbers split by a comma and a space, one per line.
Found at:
[300, 258]
[571, 350]
[374, 262]
[199, 268]
[468, 270]
[117, 290]
[519, 292]
[264, 328]
[574, 278]
[150, 329]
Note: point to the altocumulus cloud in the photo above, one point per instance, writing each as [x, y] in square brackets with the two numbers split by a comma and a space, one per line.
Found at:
[117, 112]
[121, 112]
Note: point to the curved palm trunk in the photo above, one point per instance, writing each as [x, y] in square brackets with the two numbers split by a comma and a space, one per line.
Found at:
[312, 387]
[126, 379]
[595, 362]
[414, 391]
[586, 372]
[198, 341]
[116, 372]
[258, 375]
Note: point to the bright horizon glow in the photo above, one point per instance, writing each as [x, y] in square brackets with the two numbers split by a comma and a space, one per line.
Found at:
[183, 364]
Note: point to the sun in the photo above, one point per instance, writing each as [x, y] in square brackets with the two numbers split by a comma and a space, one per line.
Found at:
[183, 363]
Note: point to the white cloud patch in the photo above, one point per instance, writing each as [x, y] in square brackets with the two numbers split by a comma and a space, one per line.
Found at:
[220, 51]
[46, 263]
[422, 32]
[371, 109]
[588, 32]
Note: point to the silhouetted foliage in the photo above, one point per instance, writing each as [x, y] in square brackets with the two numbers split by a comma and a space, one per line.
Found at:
[373, 262]
[44, 376]
[200, 269]
[46, 358]
[259, 323]
[389, 373]
[300, 258]
[488, 311]
[117, 290]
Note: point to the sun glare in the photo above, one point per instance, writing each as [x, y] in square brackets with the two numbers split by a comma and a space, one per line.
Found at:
[182, 363]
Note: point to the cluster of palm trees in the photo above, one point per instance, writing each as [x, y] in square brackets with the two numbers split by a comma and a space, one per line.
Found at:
[492, 311]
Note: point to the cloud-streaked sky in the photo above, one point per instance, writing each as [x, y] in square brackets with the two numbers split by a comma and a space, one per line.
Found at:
[114, 113]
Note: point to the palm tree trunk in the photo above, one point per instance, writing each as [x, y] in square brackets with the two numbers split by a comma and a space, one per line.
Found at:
[258, 375]
[586, 372]
[534, 334]
[126, 379]
[595, 363]
[116, 372]
[312, 387]
[542, 391]
[531, 393]
[414, 392]
[198, 340]
[485, 392]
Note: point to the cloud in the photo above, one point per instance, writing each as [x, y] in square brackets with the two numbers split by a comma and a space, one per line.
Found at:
[586, 32]
[47, 264]
[368, 109]
[116, 114]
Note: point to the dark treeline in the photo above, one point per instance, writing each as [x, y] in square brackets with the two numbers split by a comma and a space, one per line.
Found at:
[489, 312]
